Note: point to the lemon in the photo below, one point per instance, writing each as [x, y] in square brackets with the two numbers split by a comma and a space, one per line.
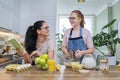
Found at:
[58, 67]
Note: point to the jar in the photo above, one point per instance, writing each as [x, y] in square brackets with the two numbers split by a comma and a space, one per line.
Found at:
[118, 67]
[104, 67]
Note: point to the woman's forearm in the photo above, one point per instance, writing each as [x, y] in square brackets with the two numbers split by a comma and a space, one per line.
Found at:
[64, 50]
[51, 54]
[27, 58]
[89, 51]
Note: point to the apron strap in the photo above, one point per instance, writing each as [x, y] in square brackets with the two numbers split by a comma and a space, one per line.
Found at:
[80, 31]
[70, 33]
[72, 30]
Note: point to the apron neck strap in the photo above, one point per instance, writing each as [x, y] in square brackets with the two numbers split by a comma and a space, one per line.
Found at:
[80, 31]
[72, 30]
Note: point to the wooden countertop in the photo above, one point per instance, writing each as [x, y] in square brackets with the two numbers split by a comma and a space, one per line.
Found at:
[34, 74]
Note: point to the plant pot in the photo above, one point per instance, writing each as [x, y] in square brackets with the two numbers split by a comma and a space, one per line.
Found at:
[111, 60]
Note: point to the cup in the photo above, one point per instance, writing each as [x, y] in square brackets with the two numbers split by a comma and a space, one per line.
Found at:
[51, 64]
[118, 67]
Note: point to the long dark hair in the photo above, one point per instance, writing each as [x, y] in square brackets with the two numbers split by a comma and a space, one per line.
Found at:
[79, 13]
[31, 36]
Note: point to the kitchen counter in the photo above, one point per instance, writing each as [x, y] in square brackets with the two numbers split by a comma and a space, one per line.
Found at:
[16, 60]
[35, 74]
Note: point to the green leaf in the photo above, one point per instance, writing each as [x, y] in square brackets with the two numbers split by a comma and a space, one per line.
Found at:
[108, 39]
[109, 24]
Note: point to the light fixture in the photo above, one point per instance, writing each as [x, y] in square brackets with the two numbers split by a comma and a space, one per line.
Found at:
[81, 1]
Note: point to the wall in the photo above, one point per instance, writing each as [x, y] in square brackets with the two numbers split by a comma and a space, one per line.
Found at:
[17, 15]
[33, 10]
[5, 13]
[101, 20]
[116, 15]
[10, 14]
[115, 11]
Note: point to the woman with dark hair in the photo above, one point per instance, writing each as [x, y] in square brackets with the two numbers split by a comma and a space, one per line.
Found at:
[37, 42]
[77, 39]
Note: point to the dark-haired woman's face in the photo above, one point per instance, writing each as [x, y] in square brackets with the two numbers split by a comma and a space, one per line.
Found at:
[44, 30]
[74, 20]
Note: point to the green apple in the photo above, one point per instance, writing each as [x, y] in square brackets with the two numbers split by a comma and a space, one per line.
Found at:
[38, 66]
[45, 56]
[42, 61]
[45, 66]
[37, 60]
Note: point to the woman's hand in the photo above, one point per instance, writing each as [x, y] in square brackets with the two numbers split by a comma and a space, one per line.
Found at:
[35, 53]
[67, 56]
[78, 54]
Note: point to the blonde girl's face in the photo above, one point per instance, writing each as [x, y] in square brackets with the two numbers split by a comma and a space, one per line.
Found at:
[74, 19]
[44, 30]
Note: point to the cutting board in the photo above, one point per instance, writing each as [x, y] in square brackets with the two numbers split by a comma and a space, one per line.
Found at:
[2, 60]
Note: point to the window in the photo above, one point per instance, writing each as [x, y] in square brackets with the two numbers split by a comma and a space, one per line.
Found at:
[64, 23]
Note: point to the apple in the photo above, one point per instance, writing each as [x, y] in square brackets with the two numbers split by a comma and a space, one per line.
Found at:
[37, 60]
[38, 66]
[42, 61]
[45, 66]
[44, 56]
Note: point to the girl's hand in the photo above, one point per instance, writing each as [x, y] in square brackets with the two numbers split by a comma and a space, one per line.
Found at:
[78, 54]
[35, 53]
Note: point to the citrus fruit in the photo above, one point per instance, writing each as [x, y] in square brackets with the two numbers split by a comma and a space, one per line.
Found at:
[58, 66]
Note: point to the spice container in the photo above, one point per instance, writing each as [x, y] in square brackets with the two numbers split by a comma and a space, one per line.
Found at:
[104, 67]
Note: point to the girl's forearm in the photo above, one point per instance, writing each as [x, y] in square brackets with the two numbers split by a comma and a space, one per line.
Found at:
[27, 58]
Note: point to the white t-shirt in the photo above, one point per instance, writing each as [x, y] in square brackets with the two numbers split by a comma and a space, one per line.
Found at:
[48, 45]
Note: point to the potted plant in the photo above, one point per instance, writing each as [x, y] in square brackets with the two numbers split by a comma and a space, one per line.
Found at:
[59, 39]
[108, 39]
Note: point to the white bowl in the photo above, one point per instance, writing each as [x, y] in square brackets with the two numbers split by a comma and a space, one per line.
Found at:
[84, 71]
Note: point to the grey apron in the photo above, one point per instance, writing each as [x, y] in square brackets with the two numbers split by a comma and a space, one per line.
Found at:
[76, 43]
